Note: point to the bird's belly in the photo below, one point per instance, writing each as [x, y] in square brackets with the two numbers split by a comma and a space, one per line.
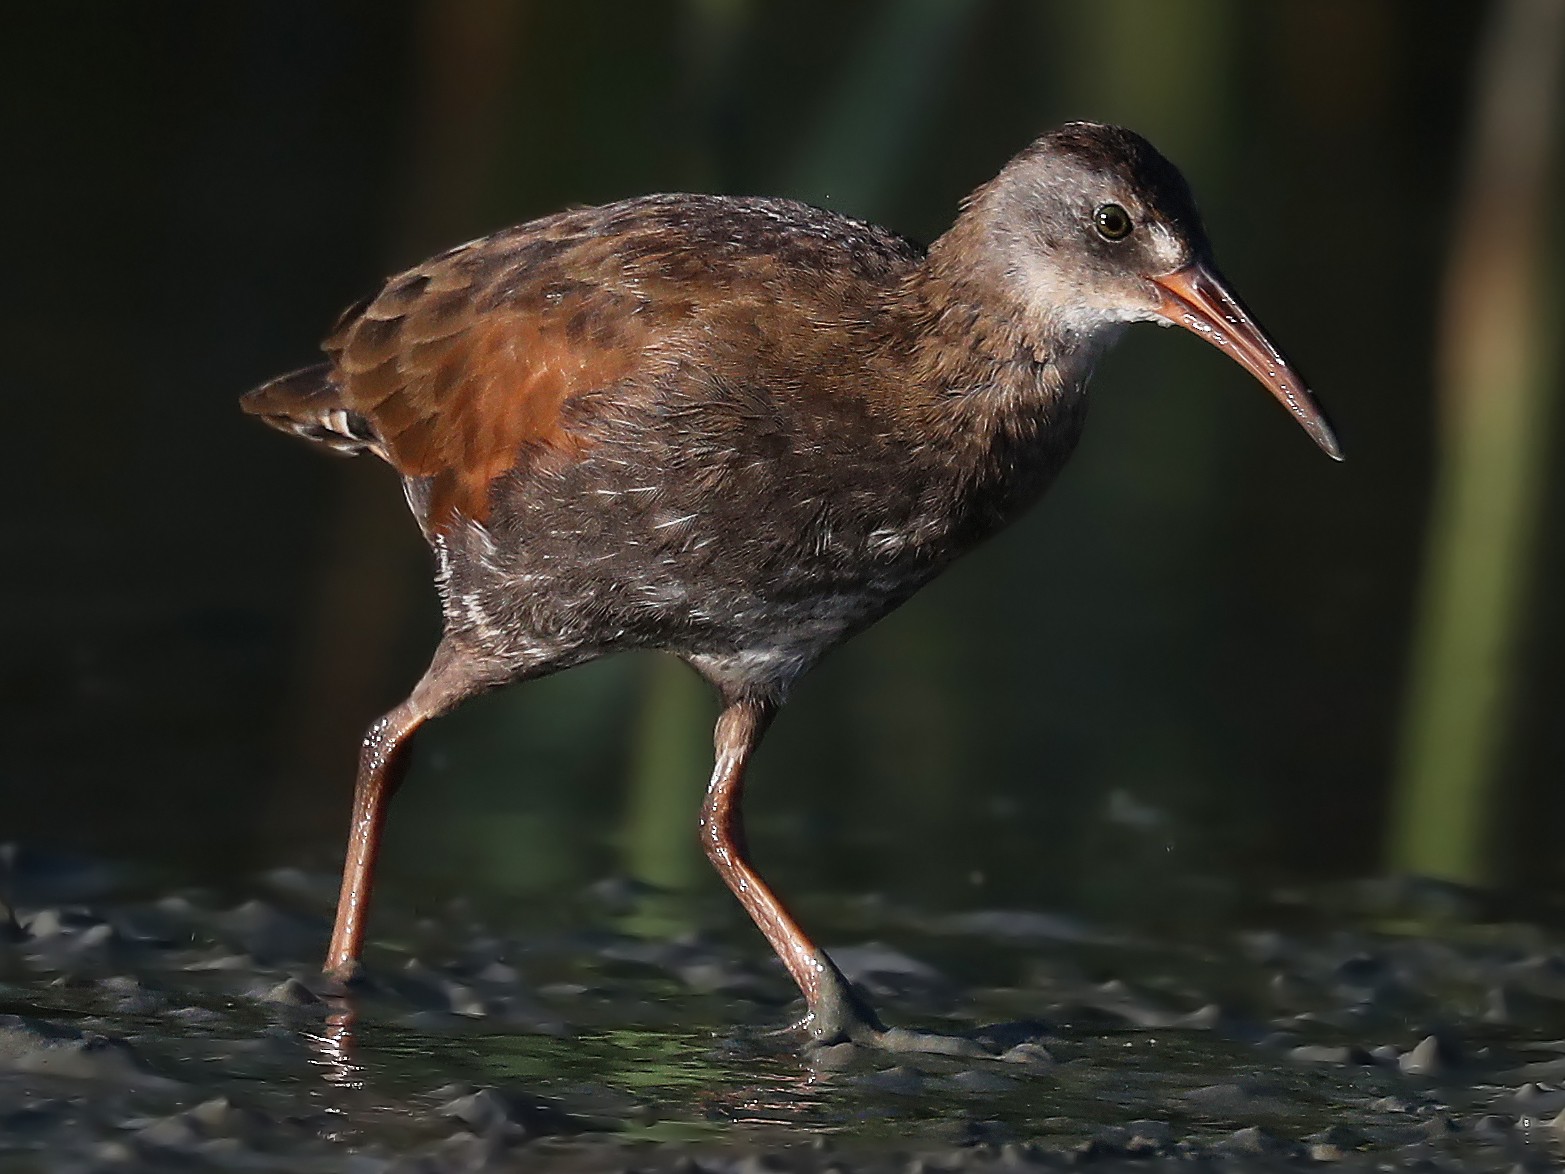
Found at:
[749, 606]
[782, 640]
[748, 550]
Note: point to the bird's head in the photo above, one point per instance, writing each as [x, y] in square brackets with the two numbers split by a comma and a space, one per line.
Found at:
[1094, 229]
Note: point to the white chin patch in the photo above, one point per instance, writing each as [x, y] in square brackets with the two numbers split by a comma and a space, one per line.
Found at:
[1070, 309]
[1100, 324]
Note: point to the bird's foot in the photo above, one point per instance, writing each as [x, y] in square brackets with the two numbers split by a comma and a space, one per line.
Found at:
[903, 1039]
[841, 1016]
[346, 974]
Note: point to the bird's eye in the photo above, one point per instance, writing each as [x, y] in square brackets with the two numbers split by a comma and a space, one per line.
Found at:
[1112, 222]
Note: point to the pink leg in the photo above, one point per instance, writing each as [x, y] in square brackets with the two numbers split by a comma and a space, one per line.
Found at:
[453, 676]
[834, 1012]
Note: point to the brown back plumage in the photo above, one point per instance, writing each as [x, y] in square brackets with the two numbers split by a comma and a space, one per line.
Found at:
[488, 358]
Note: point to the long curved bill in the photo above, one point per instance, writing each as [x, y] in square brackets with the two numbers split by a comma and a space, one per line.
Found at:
[1197, 298]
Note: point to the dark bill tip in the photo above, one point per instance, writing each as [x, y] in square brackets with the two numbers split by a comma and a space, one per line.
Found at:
[1198, 299]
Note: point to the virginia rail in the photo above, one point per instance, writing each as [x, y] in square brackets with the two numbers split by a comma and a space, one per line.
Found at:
[739, 431]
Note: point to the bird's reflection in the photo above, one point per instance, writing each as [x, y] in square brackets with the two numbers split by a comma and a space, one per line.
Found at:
[333, 1047]
[746, 1080]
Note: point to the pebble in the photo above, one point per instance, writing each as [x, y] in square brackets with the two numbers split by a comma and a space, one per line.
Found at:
[291, 992]
[1534, 1100]
[35, 1047]
[1029, 1054]
[1430, 1057]
[510, 1112]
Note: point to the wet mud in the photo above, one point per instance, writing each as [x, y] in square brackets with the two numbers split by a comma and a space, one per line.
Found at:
[1375, 1027]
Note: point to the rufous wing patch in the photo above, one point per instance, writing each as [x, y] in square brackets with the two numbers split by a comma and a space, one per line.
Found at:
[461, 394]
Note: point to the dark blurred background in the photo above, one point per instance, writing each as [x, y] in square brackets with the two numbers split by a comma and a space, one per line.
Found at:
[1211, 660]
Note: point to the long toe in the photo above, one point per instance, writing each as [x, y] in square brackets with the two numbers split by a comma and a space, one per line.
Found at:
[902, 1039]
[843, 1016]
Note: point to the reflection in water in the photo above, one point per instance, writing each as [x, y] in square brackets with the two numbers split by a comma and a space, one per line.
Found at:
[778, 1095]
[333, 1046]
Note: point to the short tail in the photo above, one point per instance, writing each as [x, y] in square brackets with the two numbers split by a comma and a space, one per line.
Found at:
[308, 403]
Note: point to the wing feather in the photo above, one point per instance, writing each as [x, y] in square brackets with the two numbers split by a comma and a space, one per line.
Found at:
[464, 366]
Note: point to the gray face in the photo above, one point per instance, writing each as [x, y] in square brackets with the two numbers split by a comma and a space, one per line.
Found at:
[1085, 219]
[1090, 228]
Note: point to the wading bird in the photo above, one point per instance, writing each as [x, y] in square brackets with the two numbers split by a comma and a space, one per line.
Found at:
[739, 431]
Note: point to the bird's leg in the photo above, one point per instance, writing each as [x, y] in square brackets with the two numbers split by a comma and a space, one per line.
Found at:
[453, 675]
[834, 1013]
